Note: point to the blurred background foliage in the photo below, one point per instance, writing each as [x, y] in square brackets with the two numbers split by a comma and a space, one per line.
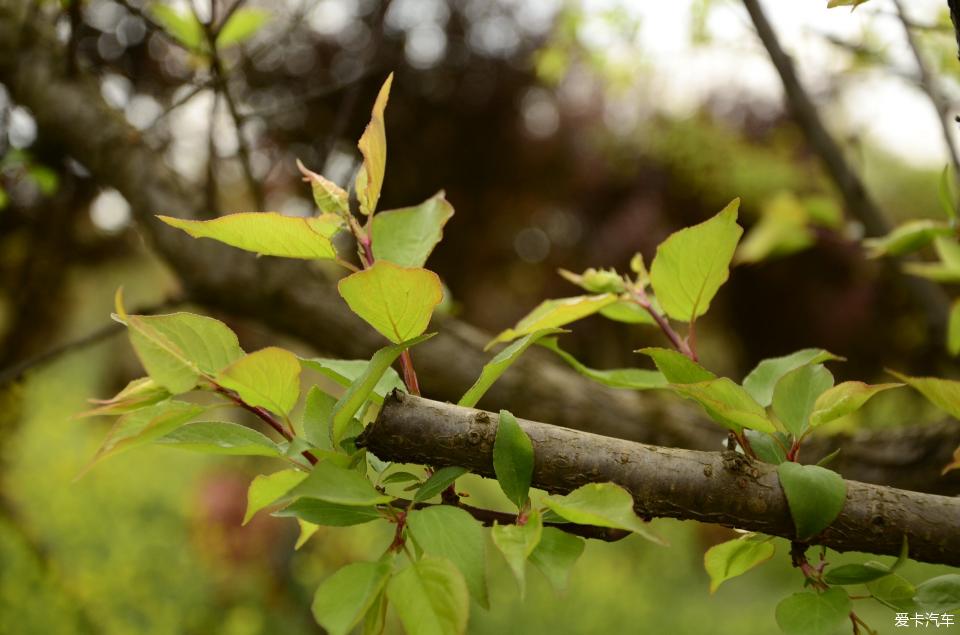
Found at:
[552, 127]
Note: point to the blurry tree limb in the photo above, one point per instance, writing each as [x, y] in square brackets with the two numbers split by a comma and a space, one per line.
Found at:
[301, 300]
[712, 487]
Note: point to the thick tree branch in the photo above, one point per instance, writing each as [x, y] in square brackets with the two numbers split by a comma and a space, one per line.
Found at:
[714, 487]
[300, 300]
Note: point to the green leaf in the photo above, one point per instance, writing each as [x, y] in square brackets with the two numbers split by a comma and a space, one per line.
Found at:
[318, 418]
[692, 264]
[940, 594]
[339, 485]
[307, 530]
[177, 349]
[345, 597]
[796, 393]
[769, 448]
[943, 393]
[945, 192]
[844, 399]
[431, 597]
[242, 25]
[953, 329]
[895, 592]
[906, 238]
[266, 489]
[440, 481]
[735, 557]
[493, 369]
[632, 378]
[596, 280]
[555, 313]
[397, 301]
[139, 393]
[400, 477]
[221, 437]
[268, 378]
[360, 390]
[373, 147]
[268, 233]
[517, 543]
[145, 425]
[727, 403]
[676, 367]
[346, 371]
[183, 27]
[761, 381]
[329, 197]
[628, 312]
[513, 459]
[815, 496]
[783, 229]
[856, 573]
[452, 533]
[407, 236]
[555, 555]
[319, 512]
[812, 613]
[603, 505]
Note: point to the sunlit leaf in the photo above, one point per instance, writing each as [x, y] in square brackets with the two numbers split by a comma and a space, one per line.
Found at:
[555, 313]
[735, 557]
[517, 543]
[844, 399]
[137, 394]
[761, 381]
[692, 264]
[906, 238]
[727, 403]
[796, 393]
[373, 147]
[347, 371]
[783, 229]
[943, 393]
[145, 425]
[603, 505]
[676, 367]
[242, 25]
[342, 486]
[268, 378]
[344, 598]
[266, 489]
[407, 236]
[452, 533]
[493, 369]
[628, 312]
[329, 197]
[431, 597]
[596, 280]
[221, 437]
[181, 26]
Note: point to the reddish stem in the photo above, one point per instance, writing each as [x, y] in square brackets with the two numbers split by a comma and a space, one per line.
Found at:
[409, 374]
[264, 416]
[640, 297]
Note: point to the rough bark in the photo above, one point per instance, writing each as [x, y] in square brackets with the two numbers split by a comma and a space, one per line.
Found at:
[714, 487]
[300, 299]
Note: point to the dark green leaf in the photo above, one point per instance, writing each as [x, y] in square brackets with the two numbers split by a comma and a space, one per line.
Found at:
[318, 418]
[761, 381]
[339, 485]
[452, 533]
[319, 512]
[856, 573]
[513, 459]
[221, 437]
[440, 480]
[815, 496]
[796, 393]
[631, 378]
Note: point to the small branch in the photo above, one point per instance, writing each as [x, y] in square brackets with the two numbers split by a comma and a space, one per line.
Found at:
[265, 416]
[639, 296]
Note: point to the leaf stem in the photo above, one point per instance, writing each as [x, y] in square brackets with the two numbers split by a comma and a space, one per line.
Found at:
[639, 296]
[264, 416]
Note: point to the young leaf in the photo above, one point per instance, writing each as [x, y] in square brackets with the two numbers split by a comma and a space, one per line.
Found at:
[318, 512]
[814, 494]
[603, 505]
[856, 573]
[513, 459]
[397, 301]
[145, 425]
[493, 369]
[373, 147]
[268, 233]
[242, 25]
[452, 533]
[596, 280]
[554, 313]
[517, 543]
[735, 557]
[676, 367]
[727, 403]
[691, 265]
[345, 597]
[349, 404]
[221, 437]
[268, 378]
[894, 591]
[844, 399]
[555, 555]
[177, 349]
[761, 381]
[407, 236]
[812, 613]
[137, 394]
[266, 489]
[346, 371]
[307, 530]
[329, 197]
[628, 312]
[769, 448]
[183, 27]
[943, 393]
[795, 394]
[339, 485]
[953, 329]
[940, 594]
[906, 238]
[632, 378]
[431, 597]
[440, 481]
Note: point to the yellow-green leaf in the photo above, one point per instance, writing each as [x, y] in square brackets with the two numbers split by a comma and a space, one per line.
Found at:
[181, 26]
[844, 399]
[943, 393]
[908, 237]
[431, 597]
[266, 489]
[517, 543]
[373, 146]
[221, 437]
[728, 404]
[603, 505]
[397, 301]
[632, 378]
[242, 25]
[268, 233]
[554, 313]
[407, 236]
[691, 265]
[953, 329]
[329, 197]
[268, 378]
[344, 598]
[493, 369]
[736, 557]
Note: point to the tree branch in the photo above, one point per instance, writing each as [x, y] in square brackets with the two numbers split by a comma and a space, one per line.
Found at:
[714, 487]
